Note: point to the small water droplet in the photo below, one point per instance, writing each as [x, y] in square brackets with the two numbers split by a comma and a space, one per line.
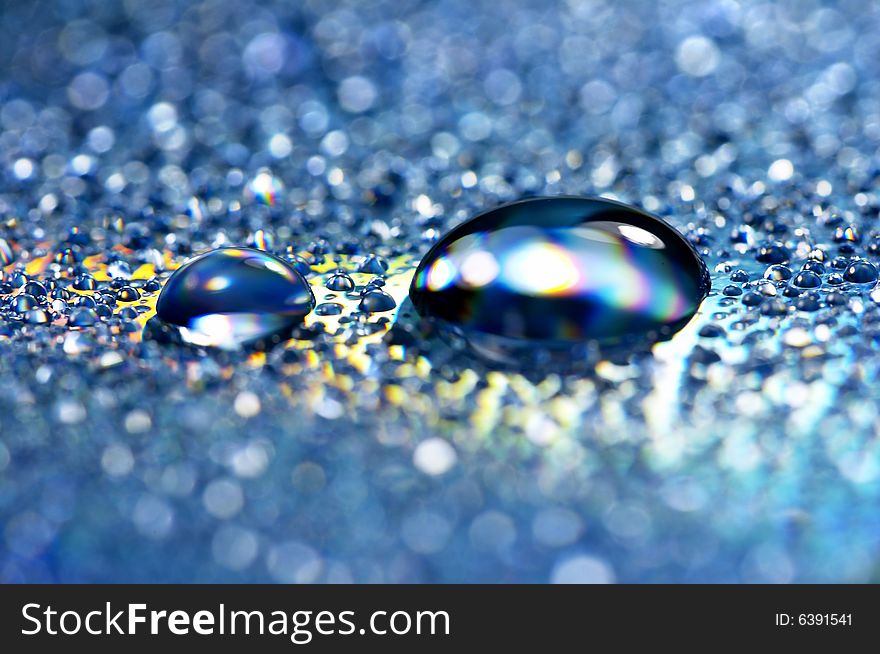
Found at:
[265, 189]
[373, 264]
[773, 253]
[861, 272]
[128, 294]
[340, 281]
[234, 296]
[85, 283]
[329, 309]
[37, 316]
[732, 291]
[24, 302]
[777, 273]
[806, 279]
[375, 300]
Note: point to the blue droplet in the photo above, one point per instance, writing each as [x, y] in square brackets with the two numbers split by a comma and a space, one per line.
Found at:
[373, 264]
[777, 273]
[561, 271]
[234, 296]
[861, 272]
[329, 309]
[773, 253]
[375, 300]
[24, 302]
[806, 279]
[340, 281]
[732, 291]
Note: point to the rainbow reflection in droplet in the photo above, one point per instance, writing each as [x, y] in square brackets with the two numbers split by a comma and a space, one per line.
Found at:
[562, 270]
[265, 189]
[231, 297]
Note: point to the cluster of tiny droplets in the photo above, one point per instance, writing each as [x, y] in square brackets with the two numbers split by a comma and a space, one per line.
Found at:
[352, 135]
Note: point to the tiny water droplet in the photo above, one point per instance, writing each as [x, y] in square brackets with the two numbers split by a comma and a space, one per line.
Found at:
[373, 264]
[265, 189]
[231, 297]
[375, 300]
[732, 291]
[328, 309]
[128, 294]
[340, 281]
[85, 283]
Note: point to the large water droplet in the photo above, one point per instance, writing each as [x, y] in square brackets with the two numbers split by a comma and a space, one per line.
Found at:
[234, 296]
[561, 271]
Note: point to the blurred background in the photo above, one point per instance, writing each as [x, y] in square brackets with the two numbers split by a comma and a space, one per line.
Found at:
[138, 133]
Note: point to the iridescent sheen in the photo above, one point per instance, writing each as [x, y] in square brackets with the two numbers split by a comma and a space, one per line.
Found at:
[562, 271]
[234, 296]
[265, 189]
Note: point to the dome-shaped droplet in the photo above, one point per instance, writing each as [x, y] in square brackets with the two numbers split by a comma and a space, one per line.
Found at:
[861, 272]
[373, 264]
[234, 296]
[773, 253]
[340, 281]
[777, 273]
[85, 283]
[128, 294]
[562, 271]
[375, 300]
[806, 279]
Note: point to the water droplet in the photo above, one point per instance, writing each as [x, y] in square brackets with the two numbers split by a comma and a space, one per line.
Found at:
[128, 294]
[861, 272]
[375, 300]
[119, 270]
[774, 307]
[808, 302]
[560, 271]
[340, 281]
[234, 296]
[777, 273]
[732, 291]
[712, 331]
[773, 253]
[835, 299]
[152, 286]
[35, 288]
[265, 189]
[85, 283]
[806, 279]
[37, 316]
[373, 264]
[329, 309]
[83, 317]
[24, 302]
[263, 240]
